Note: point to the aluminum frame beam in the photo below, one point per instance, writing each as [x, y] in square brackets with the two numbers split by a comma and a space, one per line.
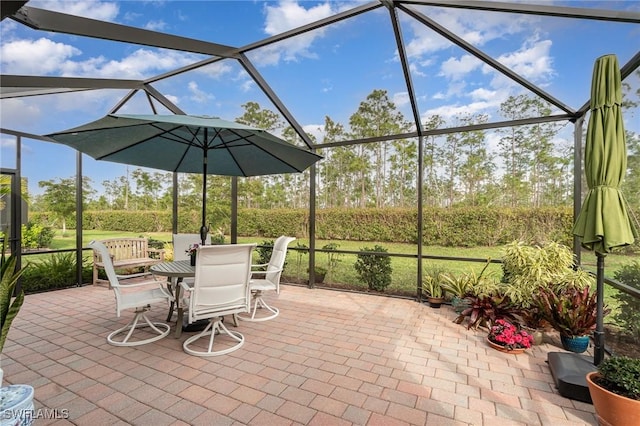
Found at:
[41, 19]
[535, 9]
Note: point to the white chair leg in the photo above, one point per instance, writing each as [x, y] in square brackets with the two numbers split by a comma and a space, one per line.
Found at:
[215, 327]
[140, 320]
[259, 303]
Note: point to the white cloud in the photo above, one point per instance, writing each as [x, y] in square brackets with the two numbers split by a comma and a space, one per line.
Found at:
[532, 61]
[284, 16]
[456, 69]
[41, 56]
[104, 11]
[315, 130]
[451, 111]
[46, 57]
[400, 99]
[156, 25]
[483, 94]
[476, 28]
[216, 70]
[198, 95]
[174, 99]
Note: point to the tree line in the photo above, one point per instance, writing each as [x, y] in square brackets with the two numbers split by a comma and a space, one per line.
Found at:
[519, 166]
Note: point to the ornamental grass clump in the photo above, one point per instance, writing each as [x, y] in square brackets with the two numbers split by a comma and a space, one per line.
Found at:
[508, 335]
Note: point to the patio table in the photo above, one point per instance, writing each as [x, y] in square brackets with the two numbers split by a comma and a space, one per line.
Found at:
[179, 269]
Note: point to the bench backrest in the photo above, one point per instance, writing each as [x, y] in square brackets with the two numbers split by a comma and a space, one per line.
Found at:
[127, 248]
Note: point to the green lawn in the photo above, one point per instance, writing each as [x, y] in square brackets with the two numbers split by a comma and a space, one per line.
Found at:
[343, 273]
[404, 268]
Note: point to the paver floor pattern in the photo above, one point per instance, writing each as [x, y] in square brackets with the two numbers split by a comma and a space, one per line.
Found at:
[329, 358]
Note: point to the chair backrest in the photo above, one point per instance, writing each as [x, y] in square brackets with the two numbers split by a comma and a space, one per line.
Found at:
[181, 243]
[276, 262]
[221, 285]
[103, 251]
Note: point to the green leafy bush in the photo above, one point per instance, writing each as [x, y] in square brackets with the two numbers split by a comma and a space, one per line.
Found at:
[9, 305]
[485, 310]
[571, 311]
[54, 271]
[628, 314]
[373, 269]
[527, 270]
[264, 251]
[621, 375]
[36, 235]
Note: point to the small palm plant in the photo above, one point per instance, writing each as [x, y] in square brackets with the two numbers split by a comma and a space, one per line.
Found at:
[9, 305]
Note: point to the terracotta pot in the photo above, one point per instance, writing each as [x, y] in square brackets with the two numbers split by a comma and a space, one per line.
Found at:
[504, 348]
[435, 302]
[612, 409]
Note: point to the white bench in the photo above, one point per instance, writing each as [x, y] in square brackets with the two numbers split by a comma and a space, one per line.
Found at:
[127, 254]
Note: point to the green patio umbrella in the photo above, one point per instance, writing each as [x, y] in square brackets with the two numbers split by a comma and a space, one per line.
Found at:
[603, 222]
[187, 144]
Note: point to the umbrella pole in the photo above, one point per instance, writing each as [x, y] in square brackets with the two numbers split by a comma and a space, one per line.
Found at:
[598, 335]
[203, 229]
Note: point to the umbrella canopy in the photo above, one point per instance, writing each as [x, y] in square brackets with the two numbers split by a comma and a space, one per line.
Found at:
[187, 144]
[603, 222]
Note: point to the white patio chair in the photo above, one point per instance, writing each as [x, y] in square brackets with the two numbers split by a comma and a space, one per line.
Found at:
[221, 287]
[266, 277]
[140, 300]
[181, 243]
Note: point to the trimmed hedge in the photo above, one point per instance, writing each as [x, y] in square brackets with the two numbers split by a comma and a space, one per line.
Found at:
[453, 227]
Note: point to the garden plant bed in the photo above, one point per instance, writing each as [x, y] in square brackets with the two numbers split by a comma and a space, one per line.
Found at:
[620, 343]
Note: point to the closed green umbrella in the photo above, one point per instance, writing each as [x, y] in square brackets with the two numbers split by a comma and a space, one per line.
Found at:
[187, 144]
[603, 222]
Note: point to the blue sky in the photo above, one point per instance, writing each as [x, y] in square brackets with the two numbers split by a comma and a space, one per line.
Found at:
[327, 72]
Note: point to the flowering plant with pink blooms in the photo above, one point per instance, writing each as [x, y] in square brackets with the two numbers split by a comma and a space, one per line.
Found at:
[193, 248]
[508, 335]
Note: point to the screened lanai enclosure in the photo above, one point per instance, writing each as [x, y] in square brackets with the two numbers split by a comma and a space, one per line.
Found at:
[421, 109]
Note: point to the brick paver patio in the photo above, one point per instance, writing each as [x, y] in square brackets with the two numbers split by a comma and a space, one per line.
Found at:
[330, 358]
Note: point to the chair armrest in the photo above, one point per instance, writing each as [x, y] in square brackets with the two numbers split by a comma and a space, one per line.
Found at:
[143, 283]
[261, 265]
[266, 272]
[186, 286]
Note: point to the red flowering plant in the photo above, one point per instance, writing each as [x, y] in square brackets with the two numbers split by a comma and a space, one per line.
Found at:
[508, 335]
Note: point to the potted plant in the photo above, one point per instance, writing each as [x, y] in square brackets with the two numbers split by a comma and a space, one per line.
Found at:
[466, 284]
[458, 287]
[508, 338]
[192, 251]
[572, 312]
[433, 290]
[9, 305]
[485, 310]
[16, 401]
[615, 391]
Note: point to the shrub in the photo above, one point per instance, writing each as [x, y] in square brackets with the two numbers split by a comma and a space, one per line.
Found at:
[485, 310]
[621, 375]
[373, 269]
[36, 235]
[51, 272]
[264, 251]
[332, 256]
[571, 311]
[628, 315]
[527, 270]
